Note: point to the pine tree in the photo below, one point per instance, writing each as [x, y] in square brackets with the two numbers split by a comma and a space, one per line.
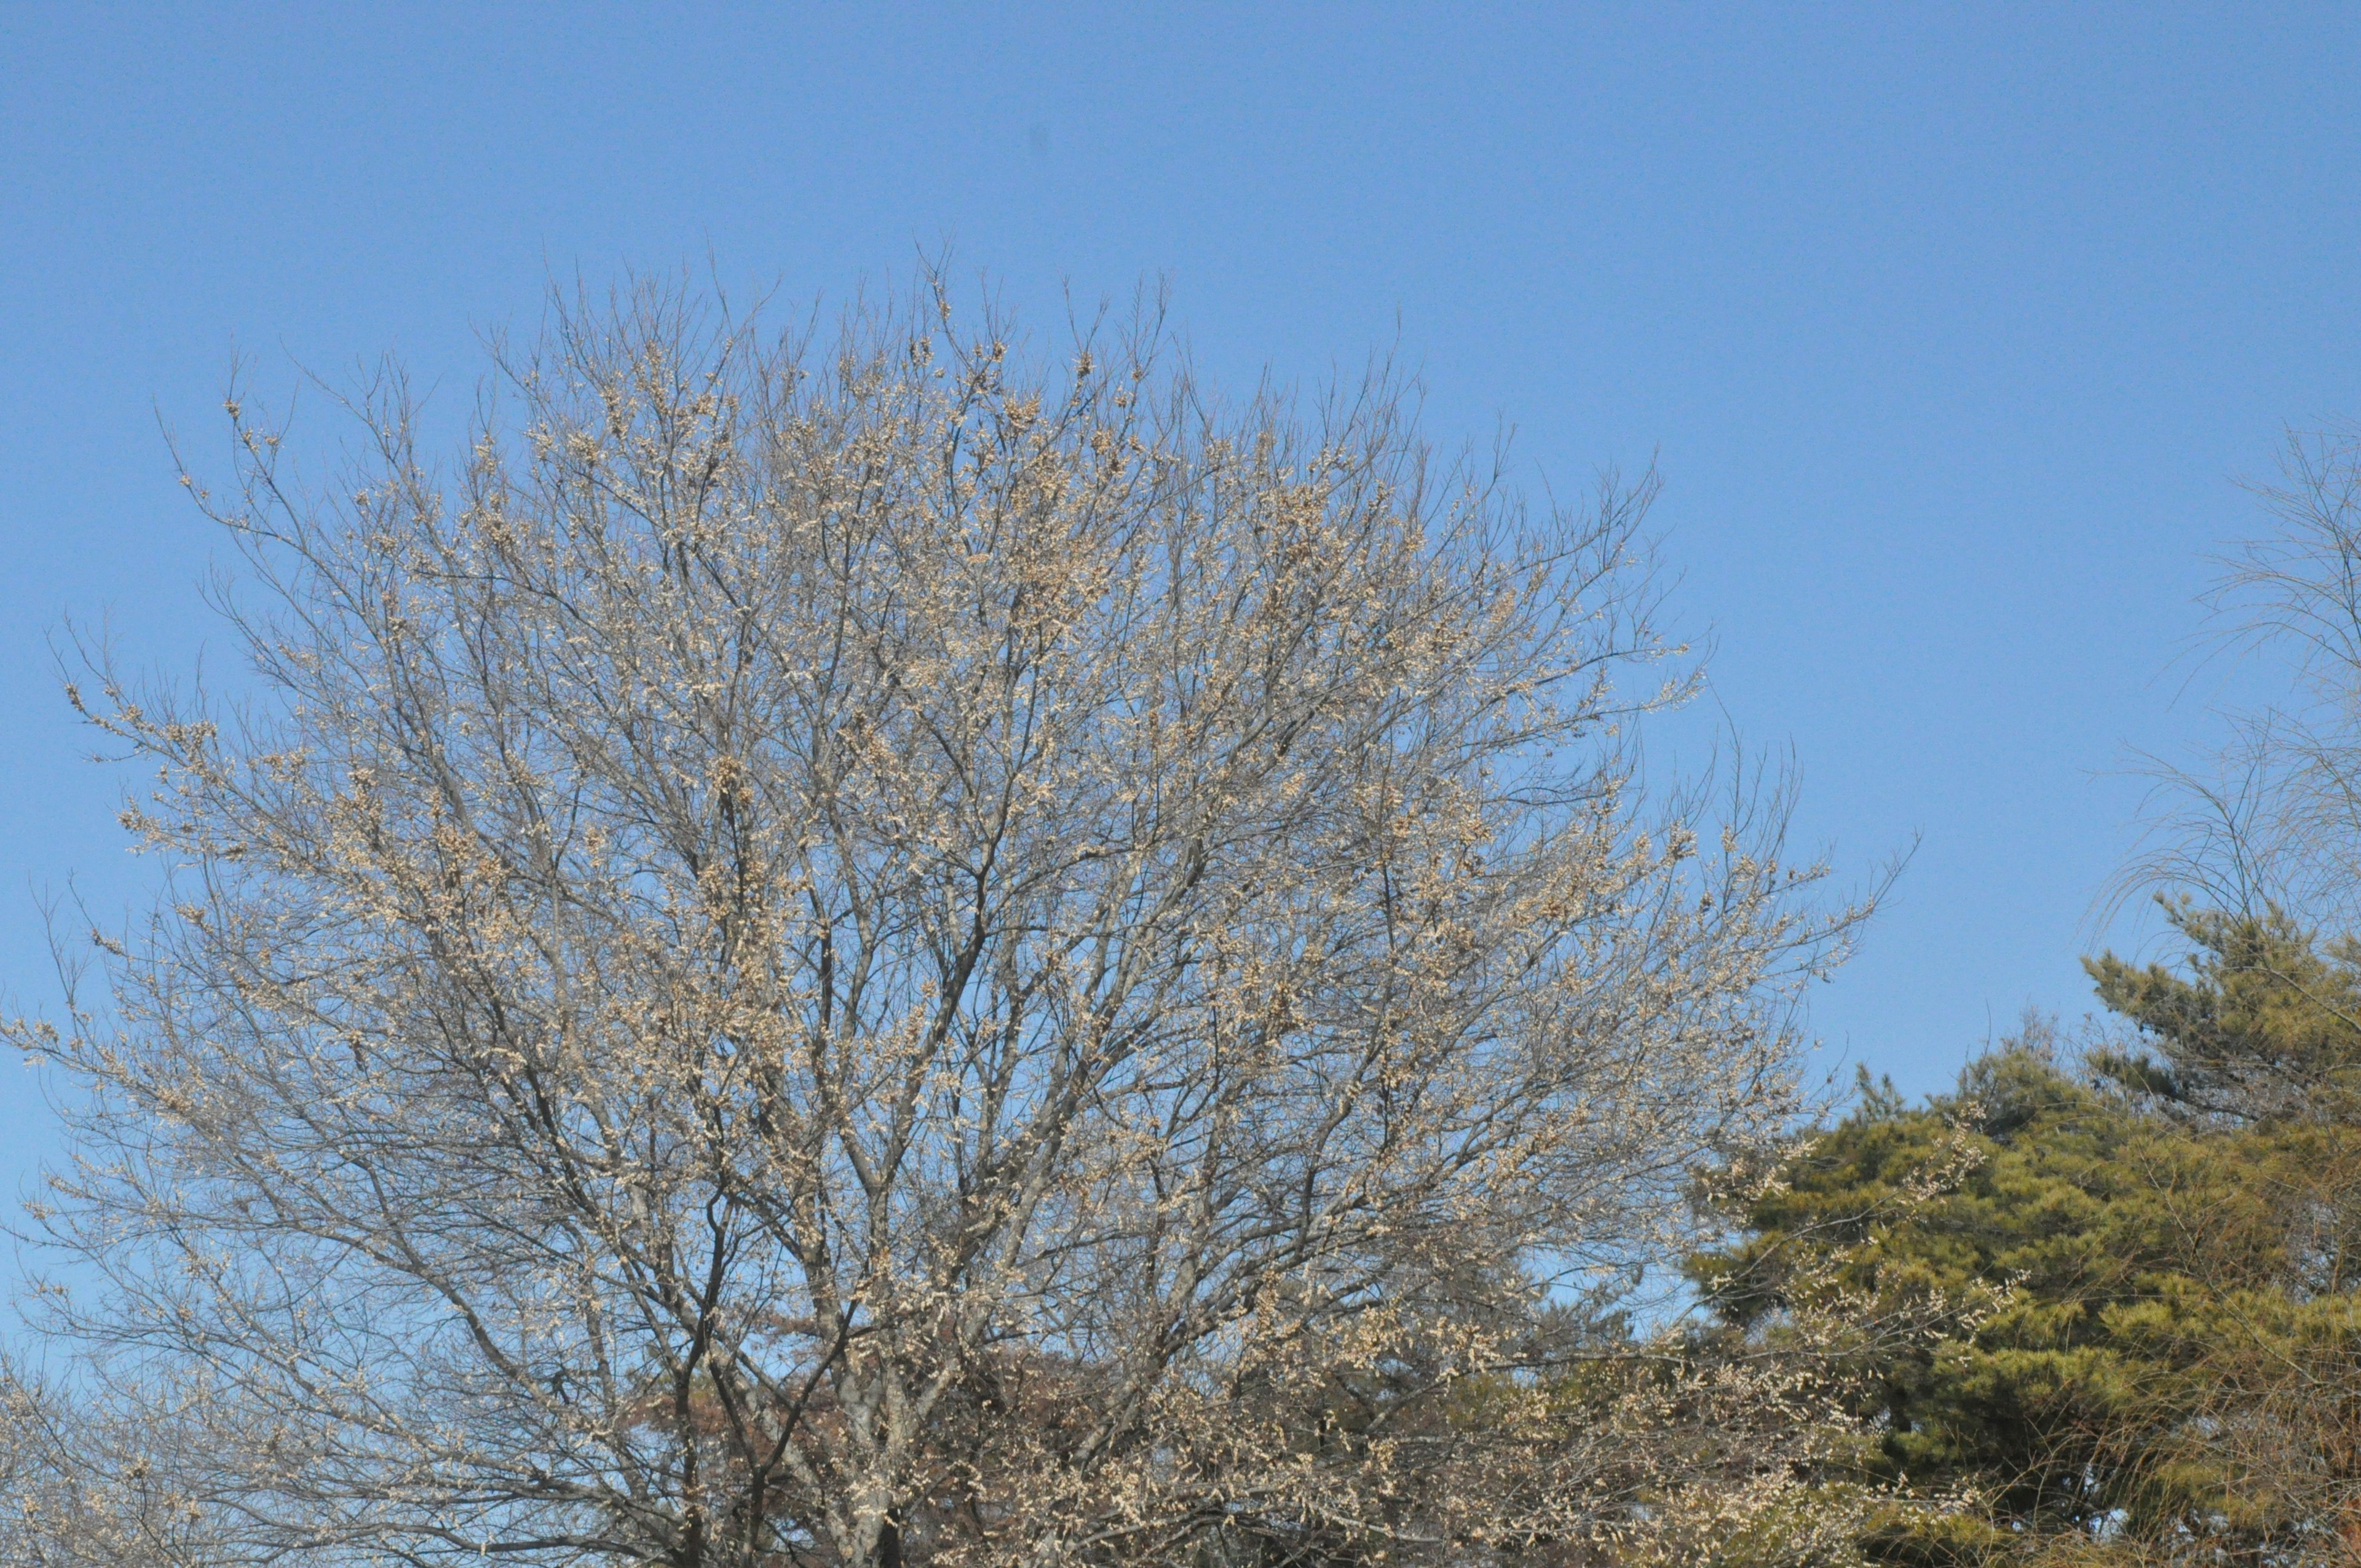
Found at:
[2148, 1259]
[2264, 1025]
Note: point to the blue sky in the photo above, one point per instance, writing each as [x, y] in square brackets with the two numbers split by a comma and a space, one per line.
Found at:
[1951, 329]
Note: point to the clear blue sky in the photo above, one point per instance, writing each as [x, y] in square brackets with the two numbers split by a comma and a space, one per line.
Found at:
[1949, 327]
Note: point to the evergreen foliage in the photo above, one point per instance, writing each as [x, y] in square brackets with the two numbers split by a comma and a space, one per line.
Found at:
[2265, 1024]
[2146, 1261]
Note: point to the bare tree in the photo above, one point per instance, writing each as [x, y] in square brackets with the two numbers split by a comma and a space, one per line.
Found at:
[2272, 819]
[82, 1488]
[861, 950]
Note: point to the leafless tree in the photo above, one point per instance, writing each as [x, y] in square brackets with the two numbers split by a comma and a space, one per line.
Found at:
[2272, 817]
[859, 949]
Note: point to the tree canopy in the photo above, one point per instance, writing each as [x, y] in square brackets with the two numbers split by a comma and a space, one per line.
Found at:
[826, 950]
[850, 951]
[2150, 1252]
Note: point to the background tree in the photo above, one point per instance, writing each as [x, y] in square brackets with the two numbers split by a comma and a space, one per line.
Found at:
[2166, 1362]
[2262, 1025]
[2272, 820]
[868, 951]
[2167, 1226]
